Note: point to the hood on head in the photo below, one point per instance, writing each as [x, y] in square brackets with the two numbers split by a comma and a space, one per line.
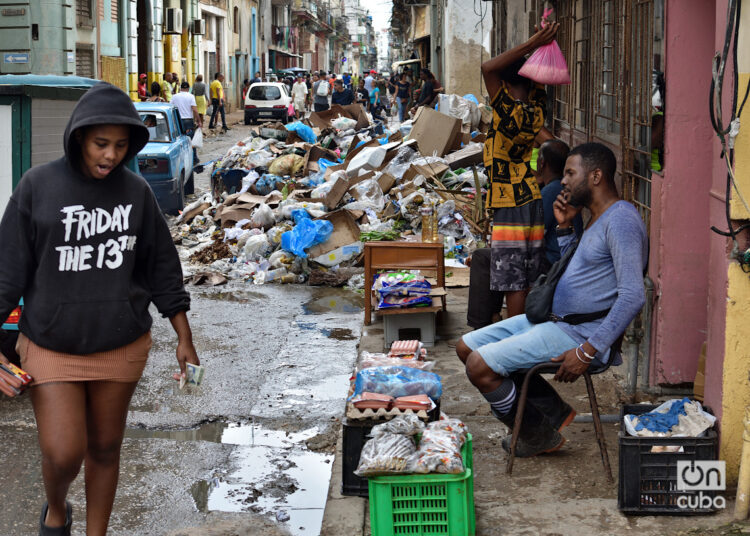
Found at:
[105, 104]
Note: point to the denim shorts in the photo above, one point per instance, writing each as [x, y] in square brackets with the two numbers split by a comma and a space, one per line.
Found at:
[516, 344]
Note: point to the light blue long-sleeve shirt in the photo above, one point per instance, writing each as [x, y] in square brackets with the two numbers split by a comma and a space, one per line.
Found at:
[606, 272]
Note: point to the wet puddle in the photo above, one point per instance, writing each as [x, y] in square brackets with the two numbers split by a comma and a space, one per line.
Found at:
[274, 473]
[339, 334]
[328, 300]
[240, 296]
[332, 388]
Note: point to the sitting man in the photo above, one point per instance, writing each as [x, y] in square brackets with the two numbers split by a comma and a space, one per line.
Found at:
[483, 302]
[603, 281]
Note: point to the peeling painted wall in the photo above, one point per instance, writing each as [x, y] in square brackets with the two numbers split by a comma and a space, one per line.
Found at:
[466, 45]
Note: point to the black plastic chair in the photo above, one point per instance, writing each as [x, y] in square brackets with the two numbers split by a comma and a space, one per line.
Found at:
[553, 367]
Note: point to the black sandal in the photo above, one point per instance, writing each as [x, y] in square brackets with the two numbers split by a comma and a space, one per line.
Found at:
[44, 530]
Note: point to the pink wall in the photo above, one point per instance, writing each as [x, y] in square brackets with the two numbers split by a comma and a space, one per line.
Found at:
[719, 260]
[680, 232]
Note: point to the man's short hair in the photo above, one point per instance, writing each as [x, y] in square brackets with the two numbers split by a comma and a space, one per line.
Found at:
[217, 75]
[597, 156]
[553, 153]
[338, 82]
[184, 85]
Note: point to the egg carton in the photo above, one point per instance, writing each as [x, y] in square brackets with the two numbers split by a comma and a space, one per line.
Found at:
[357, 414]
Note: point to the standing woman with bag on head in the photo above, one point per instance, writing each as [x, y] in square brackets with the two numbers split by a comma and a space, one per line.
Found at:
[91, 251]
[518, 114]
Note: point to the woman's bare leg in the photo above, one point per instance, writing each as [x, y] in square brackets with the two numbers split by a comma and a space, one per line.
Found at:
[60, 411]
[107, 410]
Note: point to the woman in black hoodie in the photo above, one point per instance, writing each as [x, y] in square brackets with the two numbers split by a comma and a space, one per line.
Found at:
[91, 251]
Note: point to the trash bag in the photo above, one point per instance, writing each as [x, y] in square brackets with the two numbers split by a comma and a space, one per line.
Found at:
[248, 180]
[370, 193]
[197, 140]
[464, 109]
[397, 382]
[299, 214]
[288, 164]
[263, 217]
[343, 123]
[268, 183]
[303, 131]
[546, 65]
[256, 247]
[260, 158]
[306, 234]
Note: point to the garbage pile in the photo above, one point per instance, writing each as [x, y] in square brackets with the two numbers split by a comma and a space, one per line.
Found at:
[294, 200]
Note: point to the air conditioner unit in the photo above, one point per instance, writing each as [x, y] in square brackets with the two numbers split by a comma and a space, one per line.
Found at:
[173, 21]
[199, 27]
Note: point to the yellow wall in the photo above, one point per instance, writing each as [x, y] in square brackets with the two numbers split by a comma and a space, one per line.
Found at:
[736, 374]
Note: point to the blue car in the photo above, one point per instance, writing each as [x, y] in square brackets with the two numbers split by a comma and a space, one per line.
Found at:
[166, 162]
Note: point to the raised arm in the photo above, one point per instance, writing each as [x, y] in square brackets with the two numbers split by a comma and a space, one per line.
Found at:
[492, 70]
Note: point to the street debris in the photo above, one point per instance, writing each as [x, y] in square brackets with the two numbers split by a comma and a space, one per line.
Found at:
[295, 203]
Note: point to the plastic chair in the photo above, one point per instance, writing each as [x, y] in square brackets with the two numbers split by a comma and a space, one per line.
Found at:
[553, 367]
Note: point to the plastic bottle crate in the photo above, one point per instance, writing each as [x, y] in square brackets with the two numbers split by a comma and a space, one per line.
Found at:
[648, 480]
[354, 438]
[424, 505]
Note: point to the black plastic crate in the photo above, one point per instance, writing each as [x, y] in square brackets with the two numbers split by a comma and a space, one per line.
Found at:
[648, 480]
[354, 438]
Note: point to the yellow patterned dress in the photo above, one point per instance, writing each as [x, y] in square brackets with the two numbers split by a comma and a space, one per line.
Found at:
[518, 222]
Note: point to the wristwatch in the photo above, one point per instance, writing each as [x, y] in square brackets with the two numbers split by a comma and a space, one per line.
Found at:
[565, 231]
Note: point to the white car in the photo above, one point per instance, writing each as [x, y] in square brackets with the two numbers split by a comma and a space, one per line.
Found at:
[267, 100]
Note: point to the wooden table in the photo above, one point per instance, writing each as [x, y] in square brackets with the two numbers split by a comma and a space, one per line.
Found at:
[402, 255]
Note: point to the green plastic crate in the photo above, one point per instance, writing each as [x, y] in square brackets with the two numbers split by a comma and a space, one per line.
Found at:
[424, 505]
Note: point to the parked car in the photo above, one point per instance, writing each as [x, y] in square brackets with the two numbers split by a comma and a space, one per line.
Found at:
[267, 100]
[166, 162]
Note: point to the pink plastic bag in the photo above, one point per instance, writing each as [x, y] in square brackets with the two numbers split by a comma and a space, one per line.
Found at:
[547, 64]
[290, 108]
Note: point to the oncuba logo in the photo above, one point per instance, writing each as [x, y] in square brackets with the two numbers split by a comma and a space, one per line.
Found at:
[701, 476]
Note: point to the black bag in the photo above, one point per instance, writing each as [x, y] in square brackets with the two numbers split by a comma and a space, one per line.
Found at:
[538, 307]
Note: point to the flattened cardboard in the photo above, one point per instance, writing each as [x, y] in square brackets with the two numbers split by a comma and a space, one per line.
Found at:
[386, 182]
[345, 232]
[468, 156]
[188, 216]
[431, 170]
[314, 154]
[434, 132]
[322, 120]
[337, 191]
[237, 212]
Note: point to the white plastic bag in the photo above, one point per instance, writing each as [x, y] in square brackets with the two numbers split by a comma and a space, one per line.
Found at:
[197, 138]
[256, 247]
[263, 217]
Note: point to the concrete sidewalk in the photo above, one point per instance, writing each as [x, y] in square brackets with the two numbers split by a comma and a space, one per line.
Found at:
[560, 494]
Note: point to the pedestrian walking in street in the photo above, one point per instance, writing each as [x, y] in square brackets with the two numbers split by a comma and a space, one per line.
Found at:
[370, 81]
[402, 97]
[199, 91]
[189, 116]
[155, 93]
[217, 103]
[341, 95]
[87, 277]
[519, 110]
[361, 95]
[175, 84]
[166, 87]
[299, 94]
[321, 91]
[142, 87]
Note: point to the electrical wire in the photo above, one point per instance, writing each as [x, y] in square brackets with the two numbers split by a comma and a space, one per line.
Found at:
[727, 134]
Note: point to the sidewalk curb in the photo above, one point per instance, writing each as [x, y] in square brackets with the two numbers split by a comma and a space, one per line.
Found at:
[343, 515]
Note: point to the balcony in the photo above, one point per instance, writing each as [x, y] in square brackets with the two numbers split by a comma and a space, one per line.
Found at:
[284, 37]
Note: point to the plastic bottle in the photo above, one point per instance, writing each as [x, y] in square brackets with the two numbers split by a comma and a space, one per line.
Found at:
[429, 224]
[271, 275]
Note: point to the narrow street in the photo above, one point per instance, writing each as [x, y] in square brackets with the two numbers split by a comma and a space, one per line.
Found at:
[252, 447]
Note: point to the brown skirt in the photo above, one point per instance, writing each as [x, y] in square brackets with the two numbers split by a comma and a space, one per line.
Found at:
[124, 364]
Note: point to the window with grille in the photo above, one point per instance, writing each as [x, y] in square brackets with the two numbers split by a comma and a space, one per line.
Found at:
[85, 61]
[84, 13]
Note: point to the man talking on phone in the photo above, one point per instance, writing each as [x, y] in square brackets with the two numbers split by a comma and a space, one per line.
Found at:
[597, 296]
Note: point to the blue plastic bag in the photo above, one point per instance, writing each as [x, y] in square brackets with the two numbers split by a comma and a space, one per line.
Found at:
[398, 381]
[299, 214]
[324, 163]
[306, 234]
[268, 183]
[303, 131]
[471, 98]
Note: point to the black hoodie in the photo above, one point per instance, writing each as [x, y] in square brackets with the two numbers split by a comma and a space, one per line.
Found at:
[88, 255]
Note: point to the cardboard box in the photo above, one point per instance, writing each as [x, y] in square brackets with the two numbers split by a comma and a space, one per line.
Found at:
[315, 153]
[468, 156]
[339, 255]
[322, 120]
[386, 182]
[431, 170]
[435, 132]
[337, 191]
[345, 232]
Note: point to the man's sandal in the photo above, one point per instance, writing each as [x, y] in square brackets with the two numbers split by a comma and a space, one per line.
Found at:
[44, 530]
